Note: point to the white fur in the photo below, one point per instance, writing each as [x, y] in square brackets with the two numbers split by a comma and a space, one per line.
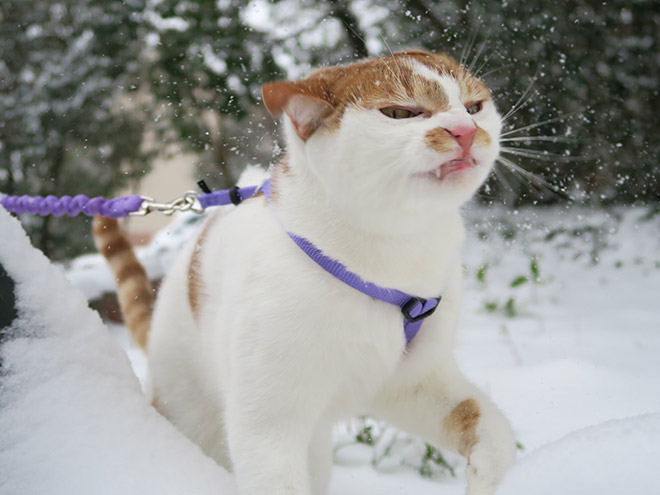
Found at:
[283, 350]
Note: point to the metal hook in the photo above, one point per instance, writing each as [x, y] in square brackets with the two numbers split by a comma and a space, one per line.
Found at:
[187, 202]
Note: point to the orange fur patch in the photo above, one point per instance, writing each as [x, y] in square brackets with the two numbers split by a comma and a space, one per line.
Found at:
[481, 137]
[440, 140]
[116, 246]
[128, 271]
[462, 422]
[384, 81]
[195, 283]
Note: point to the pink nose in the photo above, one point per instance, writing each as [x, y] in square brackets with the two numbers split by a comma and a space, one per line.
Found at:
[464, 136]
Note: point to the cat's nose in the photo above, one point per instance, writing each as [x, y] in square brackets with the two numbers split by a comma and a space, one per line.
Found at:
[464, 136]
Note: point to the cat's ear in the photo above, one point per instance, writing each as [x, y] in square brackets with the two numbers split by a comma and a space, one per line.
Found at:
[300, 102]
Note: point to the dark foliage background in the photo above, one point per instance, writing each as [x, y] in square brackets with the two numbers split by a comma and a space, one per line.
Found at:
[88, 86]
[62, 130]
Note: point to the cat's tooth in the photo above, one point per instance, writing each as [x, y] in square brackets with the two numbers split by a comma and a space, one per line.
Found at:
[438, 173]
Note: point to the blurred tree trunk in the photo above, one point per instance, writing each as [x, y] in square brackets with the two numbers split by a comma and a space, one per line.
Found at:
[419, 8]
[341, 11]
[217, 132]
[51, 187]
[220, 148]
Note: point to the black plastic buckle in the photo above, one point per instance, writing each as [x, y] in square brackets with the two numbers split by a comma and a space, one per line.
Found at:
[203, 186]
[412, 303]
[234, 197]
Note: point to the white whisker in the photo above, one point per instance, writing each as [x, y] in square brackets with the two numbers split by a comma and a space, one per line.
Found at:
[467, 48]
[518, 178]
[552, 139]
[496, 69]
[499, 175]
[397, 77]
[477, 55]
[386, 45]
[559, 118]
[533, 178]
[483, 64]
[518, 107]
[524, 99]
[540, 154]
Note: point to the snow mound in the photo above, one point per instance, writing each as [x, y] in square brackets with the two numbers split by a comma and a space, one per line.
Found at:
[73, 419]
[618, 456]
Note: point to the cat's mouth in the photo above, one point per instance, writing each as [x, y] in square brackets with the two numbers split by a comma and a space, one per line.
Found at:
[451, 167]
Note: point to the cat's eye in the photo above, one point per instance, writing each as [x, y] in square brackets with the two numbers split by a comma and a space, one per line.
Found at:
[473, 108]
[399, 113]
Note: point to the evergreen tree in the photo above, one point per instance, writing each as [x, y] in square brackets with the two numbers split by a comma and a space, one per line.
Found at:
[206, 72]
[71, 71]
[67, 73]
[597, 62]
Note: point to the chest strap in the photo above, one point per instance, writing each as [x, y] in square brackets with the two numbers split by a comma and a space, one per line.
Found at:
[414, 309]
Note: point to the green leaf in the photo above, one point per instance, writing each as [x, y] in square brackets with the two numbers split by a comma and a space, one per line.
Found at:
[481, 273]
[508, 233]
[433, 455]
[490, 306]
[510, 308]
[518, 281]
[365, 436]
[534, 269]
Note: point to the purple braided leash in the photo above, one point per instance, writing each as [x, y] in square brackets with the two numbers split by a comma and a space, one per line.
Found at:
[72, 206]
[415, 309]
[124, 206]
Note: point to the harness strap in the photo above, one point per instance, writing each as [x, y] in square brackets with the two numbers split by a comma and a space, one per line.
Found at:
[234, 195]
[414, 309]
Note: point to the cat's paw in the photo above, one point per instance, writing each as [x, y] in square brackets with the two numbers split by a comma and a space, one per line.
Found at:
[487, 465]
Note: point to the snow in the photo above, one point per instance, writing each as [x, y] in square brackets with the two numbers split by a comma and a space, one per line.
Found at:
[164, 24]
[560, 327]
[615, 457]
[72, 415]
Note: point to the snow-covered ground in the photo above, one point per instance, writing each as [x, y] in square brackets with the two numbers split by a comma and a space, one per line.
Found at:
[561, 326]
[577, 346]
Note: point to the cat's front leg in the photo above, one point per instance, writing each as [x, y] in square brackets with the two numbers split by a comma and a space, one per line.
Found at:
[269, 451]
[320, 458]
[446, 410]
[279, 390]
[282, 461]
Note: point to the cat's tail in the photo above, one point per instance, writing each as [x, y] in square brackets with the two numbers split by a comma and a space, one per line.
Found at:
[134, 291]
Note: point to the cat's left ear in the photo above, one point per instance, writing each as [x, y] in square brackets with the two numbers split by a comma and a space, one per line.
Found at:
[300, 101]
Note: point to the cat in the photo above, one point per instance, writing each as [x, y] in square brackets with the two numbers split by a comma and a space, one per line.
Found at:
[255, 351]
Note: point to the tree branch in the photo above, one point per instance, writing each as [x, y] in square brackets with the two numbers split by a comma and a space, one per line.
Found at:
[420, 8]
[356, 36]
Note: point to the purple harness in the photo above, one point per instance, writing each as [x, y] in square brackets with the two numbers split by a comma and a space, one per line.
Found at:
[414, 309]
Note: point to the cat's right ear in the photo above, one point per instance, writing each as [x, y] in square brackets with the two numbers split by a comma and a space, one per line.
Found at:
[306, 110]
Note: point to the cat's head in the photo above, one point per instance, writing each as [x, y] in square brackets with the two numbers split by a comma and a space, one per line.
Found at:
[412, 128]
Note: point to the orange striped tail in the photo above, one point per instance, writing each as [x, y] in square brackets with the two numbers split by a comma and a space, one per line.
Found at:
[134, 291]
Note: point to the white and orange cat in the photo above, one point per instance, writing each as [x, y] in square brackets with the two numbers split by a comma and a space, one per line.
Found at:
[255, 351]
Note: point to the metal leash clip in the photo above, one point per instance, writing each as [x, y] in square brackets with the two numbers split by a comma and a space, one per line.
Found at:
[187, 202]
